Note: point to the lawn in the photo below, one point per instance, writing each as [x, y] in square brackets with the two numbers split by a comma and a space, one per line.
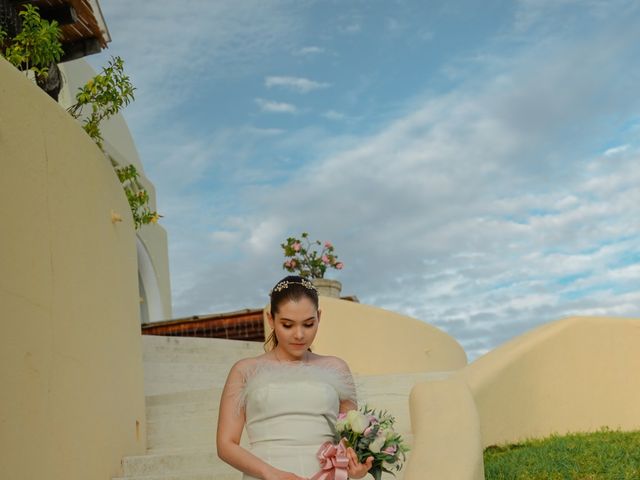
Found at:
[606, 454]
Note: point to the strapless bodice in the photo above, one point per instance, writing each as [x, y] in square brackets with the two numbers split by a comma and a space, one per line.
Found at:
[288, 407]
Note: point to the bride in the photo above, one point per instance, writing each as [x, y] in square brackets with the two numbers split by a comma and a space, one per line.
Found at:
[286, 397]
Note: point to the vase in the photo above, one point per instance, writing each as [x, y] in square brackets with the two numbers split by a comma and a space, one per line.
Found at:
[327, 287]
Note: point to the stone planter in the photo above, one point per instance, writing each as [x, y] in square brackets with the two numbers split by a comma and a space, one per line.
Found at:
[327, 288]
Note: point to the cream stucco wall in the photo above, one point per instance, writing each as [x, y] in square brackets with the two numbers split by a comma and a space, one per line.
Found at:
[575, 374]
[446, 432]
[71, 403]
[358, 333]
[119, 144]
[364, 336]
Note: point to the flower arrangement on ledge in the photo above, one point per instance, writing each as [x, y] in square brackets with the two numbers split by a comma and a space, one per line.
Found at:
[305, 258]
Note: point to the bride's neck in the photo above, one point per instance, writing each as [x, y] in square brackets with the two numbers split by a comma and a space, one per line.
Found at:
[282, 357]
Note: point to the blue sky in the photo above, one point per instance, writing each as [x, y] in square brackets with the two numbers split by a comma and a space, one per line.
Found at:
[474, 163]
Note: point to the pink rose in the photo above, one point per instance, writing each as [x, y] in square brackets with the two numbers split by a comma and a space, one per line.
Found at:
[327, 245]
[325, 259]
[296, 246]
[292, 263]
[339, 265]
[342, 416]
[391, 449]
[367, 431]
[287, 264]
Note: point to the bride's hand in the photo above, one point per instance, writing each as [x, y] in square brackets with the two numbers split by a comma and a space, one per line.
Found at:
[355, 468]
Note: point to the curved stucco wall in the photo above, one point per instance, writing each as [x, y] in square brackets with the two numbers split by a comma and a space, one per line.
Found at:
[376, 341]
[576, 374]
[72, 402]
[446, 432]
[119, 144]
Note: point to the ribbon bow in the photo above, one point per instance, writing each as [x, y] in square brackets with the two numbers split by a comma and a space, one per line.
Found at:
[333, 462]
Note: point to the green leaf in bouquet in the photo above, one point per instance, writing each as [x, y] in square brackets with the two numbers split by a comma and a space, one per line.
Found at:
[332, 427]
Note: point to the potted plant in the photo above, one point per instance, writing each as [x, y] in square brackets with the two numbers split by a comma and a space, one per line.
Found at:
[311, 259]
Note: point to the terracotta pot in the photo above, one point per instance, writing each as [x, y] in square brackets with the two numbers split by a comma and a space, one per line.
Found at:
[328, 288]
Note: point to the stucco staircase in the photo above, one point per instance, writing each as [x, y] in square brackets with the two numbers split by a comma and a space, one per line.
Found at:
[183, 382]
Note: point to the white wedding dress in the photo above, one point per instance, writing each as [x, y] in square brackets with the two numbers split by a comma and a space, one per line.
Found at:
[288, 407]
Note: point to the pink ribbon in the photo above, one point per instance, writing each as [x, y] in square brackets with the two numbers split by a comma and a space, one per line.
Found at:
[333, 462]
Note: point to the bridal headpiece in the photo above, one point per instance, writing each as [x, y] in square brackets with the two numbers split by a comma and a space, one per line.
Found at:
[284, 284]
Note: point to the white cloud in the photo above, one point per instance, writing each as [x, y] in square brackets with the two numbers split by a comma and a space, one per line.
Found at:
[297, 84]
[333, 115]
[616, 150]
[275, 107]
[352, 28]
[310, 50]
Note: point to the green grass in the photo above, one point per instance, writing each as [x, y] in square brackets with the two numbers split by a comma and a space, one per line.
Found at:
[606, 454]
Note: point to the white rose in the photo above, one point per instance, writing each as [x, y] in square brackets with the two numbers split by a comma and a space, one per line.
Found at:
[377, 443]
[357, 420]
[341, 425]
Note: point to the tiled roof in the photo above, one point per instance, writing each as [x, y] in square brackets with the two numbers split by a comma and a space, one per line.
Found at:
[245, 324]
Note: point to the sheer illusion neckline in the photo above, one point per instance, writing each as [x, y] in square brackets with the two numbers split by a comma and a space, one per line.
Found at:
[266, 371]
[304, 360]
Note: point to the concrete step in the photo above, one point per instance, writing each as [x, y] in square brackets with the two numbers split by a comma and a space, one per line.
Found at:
[182, 432]
[220, 369]
[164, 382]
[159, 412]
[204, 475]
[155, 346]
[176, 463]
[184, 397]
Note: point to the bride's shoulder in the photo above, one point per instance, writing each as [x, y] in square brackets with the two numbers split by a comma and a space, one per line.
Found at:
[245, 365]
[331, 361]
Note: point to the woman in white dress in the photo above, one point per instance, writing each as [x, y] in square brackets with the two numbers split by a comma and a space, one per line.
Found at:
[287, 397]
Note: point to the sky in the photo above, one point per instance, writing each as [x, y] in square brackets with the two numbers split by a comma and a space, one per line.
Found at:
[475, 164]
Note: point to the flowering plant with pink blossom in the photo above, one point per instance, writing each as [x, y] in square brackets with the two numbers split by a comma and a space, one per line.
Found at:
[371, 434]
[305, 258]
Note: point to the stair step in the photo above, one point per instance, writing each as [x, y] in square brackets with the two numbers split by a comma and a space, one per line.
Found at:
[204, 475]
[161, 345]
[181, 433]
[184, 397]
[174, 463]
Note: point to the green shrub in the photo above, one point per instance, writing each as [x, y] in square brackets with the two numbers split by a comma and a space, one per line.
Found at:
[36, 46]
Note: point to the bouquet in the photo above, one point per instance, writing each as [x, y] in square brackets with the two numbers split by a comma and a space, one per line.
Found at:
[371, 434]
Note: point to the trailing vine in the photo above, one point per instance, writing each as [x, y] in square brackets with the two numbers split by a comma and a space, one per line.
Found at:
[105, 95]
[37, 49]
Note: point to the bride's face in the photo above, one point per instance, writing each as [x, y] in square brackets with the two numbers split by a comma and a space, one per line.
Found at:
[296, 325]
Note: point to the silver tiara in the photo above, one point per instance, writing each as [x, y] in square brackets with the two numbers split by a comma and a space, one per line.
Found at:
[284, 284]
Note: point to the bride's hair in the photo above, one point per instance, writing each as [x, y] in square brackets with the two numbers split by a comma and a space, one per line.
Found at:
[291, 288]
